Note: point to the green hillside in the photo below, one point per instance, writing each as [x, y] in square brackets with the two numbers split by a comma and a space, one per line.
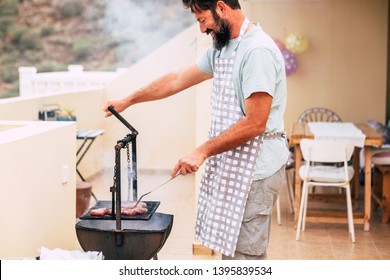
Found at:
[98, 34]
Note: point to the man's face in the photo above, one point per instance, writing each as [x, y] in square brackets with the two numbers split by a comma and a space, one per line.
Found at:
[211, 23]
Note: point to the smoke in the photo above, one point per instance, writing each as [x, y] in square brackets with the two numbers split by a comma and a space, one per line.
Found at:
[139, 26]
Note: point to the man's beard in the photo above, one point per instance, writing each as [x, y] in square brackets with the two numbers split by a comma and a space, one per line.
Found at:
[222, 36]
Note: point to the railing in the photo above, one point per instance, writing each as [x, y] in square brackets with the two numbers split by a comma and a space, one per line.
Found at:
[32, 83]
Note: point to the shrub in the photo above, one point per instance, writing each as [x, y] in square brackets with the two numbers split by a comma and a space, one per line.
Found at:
[8, 11]
[30, 41]
[10, 91]
[47, 31]
[5, 47]
[71, 9]
[5, 23]
[60, 41]
[8, 8]
[33, 56]
[82, 48]
[9, 75]
[11, 57]
[16, 34]
[26, 39]
[50, 66]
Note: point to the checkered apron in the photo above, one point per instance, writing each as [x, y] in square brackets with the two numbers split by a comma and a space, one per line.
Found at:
[227, 176]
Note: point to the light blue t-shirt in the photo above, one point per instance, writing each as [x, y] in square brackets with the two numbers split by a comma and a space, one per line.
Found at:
[258, 67]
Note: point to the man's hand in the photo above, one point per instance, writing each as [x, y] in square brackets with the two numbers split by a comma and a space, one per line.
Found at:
[119, 106]
[189, 163]
[257, 107]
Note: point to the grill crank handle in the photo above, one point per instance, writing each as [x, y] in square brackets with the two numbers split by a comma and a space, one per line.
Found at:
[159, 186]
[122, 120]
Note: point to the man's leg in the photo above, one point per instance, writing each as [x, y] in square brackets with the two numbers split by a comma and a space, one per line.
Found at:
[255, 230]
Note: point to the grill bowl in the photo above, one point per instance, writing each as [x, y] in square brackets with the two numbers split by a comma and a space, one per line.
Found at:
[137, 240]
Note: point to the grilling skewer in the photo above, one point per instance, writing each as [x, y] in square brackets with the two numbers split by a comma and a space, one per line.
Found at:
[159, 186]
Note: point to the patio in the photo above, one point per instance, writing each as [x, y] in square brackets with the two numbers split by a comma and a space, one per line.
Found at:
[323, 79]
[319, 242]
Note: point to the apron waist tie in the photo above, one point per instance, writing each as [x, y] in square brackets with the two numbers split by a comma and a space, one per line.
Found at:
[274, 135]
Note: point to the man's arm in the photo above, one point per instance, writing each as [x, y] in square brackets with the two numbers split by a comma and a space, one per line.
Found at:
[163, 87]
[257, 106]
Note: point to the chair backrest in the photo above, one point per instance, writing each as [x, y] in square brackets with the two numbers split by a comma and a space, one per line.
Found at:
[328, 151]
[318, 114]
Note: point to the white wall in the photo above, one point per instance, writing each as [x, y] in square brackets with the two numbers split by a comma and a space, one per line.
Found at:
[37, 208]
[344, 67]
[88, 106]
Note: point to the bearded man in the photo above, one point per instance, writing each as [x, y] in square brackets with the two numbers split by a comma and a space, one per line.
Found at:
[246, 152]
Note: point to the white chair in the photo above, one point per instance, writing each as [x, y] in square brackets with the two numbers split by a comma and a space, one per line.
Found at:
[325, 151]
[318, 114]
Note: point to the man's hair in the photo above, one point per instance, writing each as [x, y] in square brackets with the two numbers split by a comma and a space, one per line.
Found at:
[203, 5]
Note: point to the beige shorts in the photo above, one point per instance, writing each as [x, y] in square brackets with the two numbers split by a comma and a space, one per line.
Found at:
[254, 234]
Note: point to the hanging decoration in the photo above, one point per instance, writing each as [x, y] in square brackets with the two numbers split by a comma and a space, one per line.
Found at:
[290, 61]
[295, 43]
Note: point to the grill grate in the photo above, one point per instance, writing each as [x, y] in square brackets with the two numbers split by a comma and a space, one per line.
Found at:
[151, 205]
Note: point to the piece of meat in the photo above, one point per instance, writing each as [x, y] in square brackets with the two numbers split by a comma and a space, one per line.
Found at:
[131, 205]
[98, 212]
[127, 210]
[139, 210]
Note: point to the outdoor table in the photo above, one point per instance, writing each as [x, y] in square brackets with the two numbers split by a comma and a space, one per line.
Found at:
[336, 130]
[88, 137]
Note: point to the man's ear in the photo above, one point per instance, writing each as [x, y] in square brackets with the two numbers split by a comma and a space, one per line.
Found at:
[220, 8]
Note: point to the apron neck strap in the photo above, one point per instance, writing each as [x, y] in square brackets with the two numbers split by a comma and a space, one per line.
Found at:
[243, 28]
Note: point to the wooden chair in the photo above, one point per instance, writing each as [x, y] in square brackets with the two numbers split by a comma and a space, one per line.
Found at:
[381, 187]
[325, 151]
[318, 114]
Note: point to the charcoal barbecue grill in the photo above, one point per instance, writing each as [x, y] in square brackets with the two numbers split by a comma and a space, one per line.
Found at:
[121, 237]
